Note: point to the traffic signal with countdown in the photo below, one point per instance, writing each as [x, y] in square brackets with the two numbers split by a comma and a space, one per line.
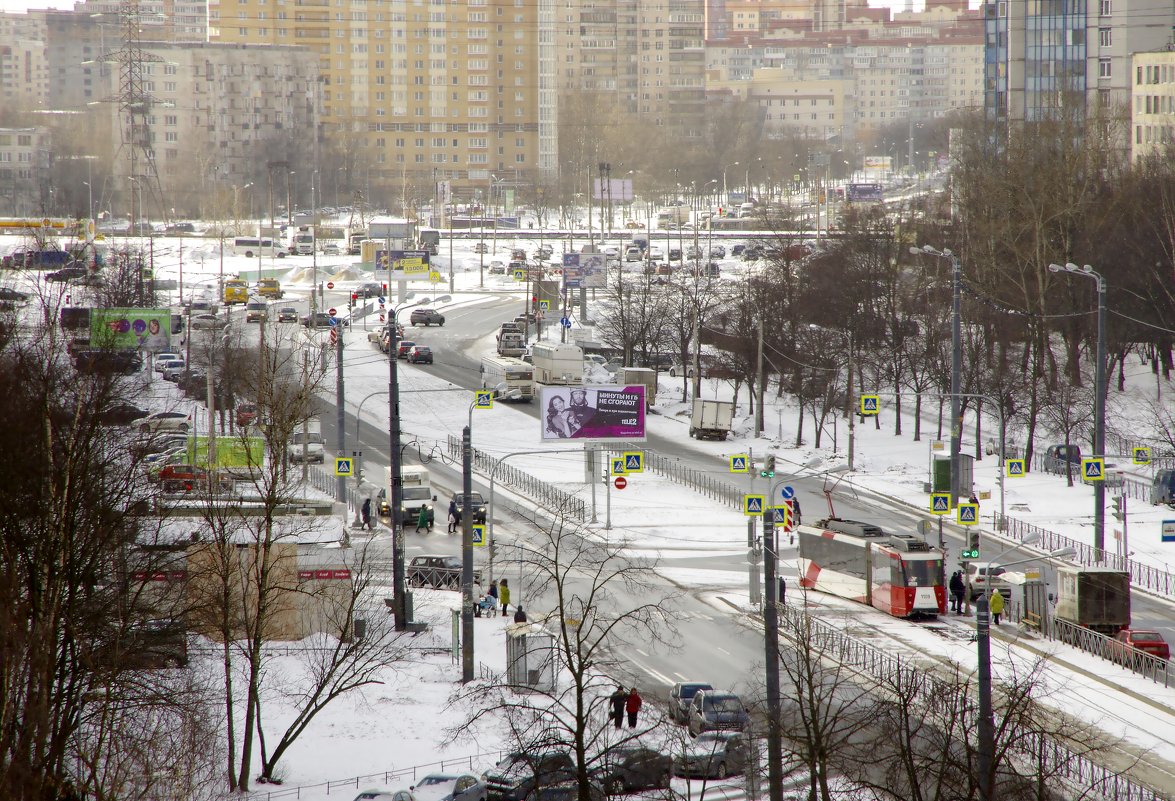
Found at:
[768, 470]
[972, 551]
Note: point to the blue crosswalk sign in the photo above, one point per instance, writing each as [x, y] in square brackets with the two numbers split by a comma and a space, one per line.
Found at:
[968, 514]
[739, 464]
[869, 404]
[1093, 468]
[343, 466]
[753, 504]
[940, 503]
[634, 462]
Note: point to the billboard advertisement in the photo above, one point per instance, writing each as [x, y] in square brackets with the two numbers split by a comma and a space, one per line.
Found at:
[618, 190]
[137, 329]
[588, 270]
[405, 265]
[600, 414]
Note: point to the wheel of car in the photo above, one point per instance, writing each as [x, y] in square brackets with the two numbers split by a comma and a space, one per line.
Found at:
[721, 772]
[183, 427]
[248, 254]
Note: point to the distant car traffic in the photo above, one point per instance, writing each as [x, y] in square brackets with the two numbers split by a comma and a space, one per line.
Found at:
[256, 311]
[207, 322]
[427, 317]
[287, 314]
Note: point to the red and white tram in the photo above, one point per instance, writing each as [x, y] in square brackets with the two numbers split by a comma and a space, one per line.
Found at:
[900, 574]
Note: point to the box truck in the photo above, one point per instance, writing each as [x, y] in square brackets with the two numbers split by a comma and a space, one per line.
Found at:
[711, 419]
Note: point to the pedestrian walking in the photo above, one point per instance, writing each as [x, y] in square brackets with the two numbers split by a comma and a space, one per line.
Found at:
[478, 598]
[503, 595]
[454, 516]
[957, 588]
[366, 514]
[797, 515]
[996, 605]
[633, 707]
[782, 589]
[519, 615]
[618, 700]
[422, 520]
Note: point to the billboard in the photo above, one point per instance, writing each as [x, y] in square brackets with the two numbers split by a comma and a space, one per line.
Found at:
[137, 329]
[615, 189]
[588, 270]
[592, 413]
[232, 451]
[405, 265]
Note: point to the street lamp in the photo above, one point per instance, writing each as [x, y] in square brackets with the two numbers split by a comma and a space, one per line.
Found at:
[724, 193]
[400, 609]
[1099, 400]
[848, 335]
[986, 744]
[956, 357]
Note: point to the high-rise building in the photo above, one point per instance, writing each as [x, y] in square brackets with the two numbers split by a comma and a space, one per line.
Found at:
[417, 92]
[1152, 117]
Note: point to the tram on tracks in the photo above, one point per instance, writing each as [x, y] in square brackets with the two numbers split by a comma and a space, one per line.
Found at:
[900, 574]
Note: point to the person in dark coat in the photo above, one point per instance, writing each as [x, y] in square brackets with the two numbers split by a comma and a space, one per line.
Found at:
[782, 589]
[619, 700]
[633, 707]
[454, 516]
[366, 514]
[957, 588]
[519, 615]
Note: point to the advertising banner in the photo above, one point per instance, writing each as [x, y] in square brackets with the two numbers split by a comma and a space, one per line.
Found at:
[589, 270]
[405, 265]
[599, 413]
[137, 329]
[618, 190]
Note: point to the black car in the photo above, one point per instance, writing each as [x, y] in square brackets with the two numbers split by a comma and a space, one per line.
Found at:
[371, 290]
[625, 768]
[120, 414]
[737, 250]
[477, 505]
[420, 354]
[66, 274]
[287, 314]
[322, 320]
[9, 295]
[427, 317]
[519, 775]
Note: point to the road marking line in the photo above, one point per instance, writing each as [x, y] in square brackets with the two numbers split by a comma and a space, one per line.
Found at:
[723, 650]
[639, 651]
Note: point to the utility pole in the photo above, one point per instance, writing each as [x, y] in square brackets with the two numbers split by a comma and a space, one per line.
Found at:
[341, 424]
[771, 642]
[759, 379]
[467, 553]
[956, 372]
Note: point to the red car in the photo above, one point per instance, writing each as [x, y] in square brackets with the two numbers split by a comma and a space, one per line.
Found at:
[403, 348]
[183, 472]
[1149, 642]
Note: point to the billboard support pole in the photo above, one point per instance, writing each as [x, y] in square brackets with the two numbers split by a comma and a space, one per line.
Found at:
[589, 460]
[608, 495]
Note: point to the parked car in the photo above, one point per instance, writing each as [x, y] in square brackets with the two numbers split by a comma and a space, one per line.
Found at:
[322, 320]
[164, 421]
[420, 354]
[1163, 488]
[477, 505]
[983, 577]
[737, 250]
[246, 414]
[449, 787]
[404, 347]
[630, 767]
[256, 311]
[717, 252]
[427, 317]
[680, 697]
[308, 447]
[1057, 459]
[145, 447]
[633, 253]
[162, 359]
[173, 369]
[568, 791]
[519, 775]
[497, 268]
[594, 360]
[677, 369]
[480, 247]
[287, 314]
[713, 755]
[182, 472]
[66, 274]
[713, 710]
[120, 414]
[1145, 640]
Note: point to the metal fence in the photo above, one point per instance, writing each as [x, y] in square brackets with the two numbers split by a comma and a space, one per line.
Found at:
[698, 480]
[546, 495]
[1140, 662]
[1035, 748]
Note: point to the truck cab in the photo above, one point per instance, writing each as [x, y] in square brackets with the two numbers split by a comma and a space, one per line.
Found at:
[269, 288]
[416, 489]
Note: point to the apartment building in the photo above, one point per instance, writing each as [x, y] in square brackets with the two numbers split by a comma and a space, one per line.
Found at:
[24, 68]
[416, 92]
[1152, 107]
[24, 170]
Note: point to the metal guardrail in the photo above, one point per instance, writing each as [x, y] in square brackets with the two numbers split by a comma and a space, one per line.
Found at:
[697, 480]
[1034, 747]
[547, 495]
[1140, 662]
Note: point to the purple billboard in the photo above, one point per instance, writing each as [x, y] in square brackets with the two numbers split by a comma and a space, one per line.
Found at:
[592, 413]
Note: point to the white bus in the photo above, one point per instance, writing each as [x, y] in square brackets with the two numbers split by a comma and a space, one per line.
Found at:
[506, 374]
[251, 246]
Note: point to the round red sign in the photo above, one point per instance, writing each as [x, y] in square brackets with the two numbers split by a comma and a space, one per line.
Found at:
[330, 284]
[621, 482]
[332, 312]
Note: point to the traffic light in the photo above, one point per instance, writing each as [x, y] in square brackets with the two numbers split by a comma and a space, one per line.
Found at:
[972, 551]
[1119, 507]
[768, 470]
[385, 288]
[354, 299]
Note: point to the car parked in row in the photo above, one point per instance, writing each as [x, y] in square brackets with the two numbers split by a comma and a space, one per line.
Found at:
[631, 767]
[164, 421]
[681, 695]
[420, 354]
[714, 755]
[120, 414]
[404, 347]
[714, 710]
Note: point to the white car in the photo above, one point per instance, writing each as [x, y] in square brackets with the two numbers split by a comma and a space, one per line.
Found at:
[164, 421]
[985, 576]
[163, 358]
[594, 359]
[173, 369]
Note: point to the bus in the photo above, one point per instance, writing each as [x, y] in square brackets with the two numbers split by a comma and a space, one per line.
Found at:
[250, 246]
[505, 374]
[864, 193]
[235, 291]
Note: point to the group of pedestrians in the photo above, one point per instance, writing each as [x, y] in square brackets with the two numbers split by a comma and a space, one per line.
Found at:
[625, 703]
[958, 589]
[498, 596]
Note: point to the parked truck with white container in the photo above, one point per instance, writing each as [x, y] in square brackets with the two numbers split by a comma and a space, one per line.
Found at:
[711, 419]
[557, 363]
[1096, 598]
[632, 376]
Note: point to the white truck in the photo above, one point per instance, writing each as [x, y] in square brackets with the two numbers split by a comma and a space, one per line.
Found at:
[557, 363]
[417, 493]
[631, 376]
[511, 343]
[711, 419]
[302, 241]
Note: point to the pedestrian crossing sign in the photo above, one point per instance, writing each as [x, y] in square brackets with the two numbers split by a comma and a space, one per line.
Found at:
[344, 466]
[478, 532]
[785, 516]
[544, 305]
[483, 399]
[1014, 468]
[753, 504]
[740, 463]
[968, 514]
[1093, 468]
[520, 275]
[1142, 455]
[940, 503]
[634, 462]
[869, 404]
[619, 466]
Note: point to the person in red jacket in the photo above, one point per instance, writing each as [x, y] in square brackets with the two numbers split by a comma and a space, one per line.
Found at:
[633, 707]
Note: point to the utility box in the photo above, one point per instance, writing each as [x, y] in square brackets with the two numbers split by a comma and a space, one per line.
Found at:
[940, 474]
[530, 657]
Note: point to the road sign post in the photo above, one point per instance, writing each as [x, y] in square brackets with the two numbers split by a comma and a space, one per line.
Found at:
[940, 503]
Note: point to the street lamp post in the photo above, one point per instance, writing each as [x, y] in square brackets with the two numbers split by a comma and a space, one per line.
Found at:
[724, 169]
[1099, 400]
[956, 358]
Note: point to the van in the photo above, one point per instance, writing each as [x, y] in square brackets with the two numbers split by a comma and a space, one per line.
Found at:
[1057, 459]
[1163, 488]
[308, 446]
[256, 311]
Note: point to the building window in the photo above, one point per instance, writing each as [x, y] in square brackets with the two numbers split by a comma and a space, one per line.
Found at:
[1106, 8]
[1105, 37]
[1103, 68]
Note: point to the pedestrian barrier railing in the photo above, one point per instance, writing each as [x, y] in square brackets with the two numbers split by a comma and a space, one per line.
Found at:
[1130, 486]
[1147, 577]
[1049, 756]
[1134, 660]
[698, 480]
[319, 479]
[546, 495]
